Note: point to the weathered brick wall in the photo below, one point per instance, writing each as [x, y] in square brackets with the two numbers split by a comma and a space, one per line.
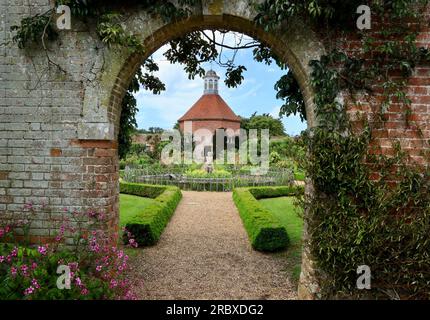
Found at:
[58, 128]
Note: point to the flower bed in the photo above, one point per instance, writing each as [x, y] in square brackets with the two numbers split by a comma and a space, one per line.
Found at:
[265, 232]
[92, 266]
[148, 225]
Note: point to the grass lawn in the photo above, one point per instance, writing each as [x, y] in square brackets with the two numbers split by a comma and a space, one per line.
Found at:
[131, 205]
[283, 208]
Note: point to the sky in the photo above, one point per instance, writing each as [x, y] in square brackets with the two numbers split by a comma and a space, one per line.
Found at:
[255, 94]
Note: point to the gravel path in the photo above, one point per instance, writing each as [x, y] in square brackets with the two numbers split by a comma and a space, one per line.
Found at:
[204, 253]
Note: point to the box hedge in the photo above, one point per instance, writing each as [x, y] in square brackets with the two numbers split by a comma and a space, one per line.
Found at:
[265, 231]
[148, 225]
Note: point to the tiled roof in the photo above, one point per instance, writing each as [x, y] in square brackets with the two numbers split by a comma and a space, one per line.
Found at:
[210, 107]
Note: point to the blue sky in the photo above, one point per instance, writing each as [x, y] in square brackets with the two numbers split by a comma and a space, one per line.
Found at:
[256, 94]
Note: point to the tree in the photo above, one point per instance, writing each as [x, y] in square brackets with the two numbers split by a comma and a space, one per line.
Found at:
[264, 121]
[129, 109]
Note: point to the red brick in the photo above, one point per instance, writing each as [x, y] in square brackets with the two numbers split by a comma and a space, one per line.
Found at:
[6, 199]
[102, 144]
[105, 152]
[4, 175]
[55, 152]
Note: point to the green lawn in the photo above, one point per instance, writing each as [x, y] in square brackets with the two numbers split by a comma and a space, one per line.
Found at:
[131, 205]
[283, 208]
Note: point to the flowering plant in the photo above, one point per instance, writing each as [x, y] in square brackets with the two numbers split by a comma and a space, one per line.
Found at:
[95, 264]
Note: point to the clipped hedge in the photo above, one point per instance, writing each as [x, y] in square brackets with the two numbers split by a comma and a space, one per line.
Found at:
[274, 192]
[264, 230]
[148, 225]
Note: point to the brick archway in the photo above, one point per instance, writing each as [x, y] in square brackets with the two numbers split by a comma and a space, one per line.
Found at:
[297, 48]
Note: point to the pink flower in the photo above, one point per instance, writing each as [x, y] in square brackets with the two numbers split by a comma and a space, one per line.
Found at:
[24, 270]
[99, 268]
[13, 271]
[42, 250]
[2, 233]
[73, 266]
[14, 252]
[28, 291]
[1, 259]
[84, 291]
[78, 281]
[33, 266]
[120, 254]
[132, 243]
[35, 284]
[113, 283]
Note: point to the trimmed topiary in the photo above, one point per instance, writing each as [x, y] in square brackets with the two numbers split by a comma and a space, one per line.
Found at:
[264, 230]
[147, 226]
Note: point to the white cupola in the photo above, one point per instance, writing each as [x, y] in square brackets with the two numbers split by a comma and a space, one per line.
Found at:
[211, 82]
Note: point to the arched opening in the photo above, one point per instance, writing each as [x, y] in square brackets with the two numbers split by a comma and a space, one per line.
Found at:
[296, 53]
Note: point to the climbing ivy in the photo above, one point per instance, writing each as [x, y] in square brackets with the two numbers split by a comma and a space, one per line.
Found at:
[354, 217]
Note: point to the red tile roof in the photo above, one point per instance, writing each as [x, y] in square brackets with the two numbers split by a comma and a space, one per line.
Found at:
[210, 107]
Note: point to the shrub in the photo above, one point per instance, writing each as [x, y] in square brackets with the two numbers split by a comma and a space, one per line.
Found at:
[141, 190]
[148, 225]
[264, 231]
[30, 272]
[273, 192]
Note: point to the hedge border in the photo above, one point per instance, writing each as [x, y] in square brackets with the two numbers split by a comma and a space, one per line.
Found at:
[264, 230]
[148, 225]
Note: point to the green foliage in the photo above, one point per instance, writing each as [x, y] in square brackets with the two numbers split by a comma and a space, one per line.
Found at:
[148, 225]
[141, 190]
[333, 12]
[191, 50]
[274, 192]
[265, 232]
[382, 223]
[264, 121]
[34, 29]
[111, 32]
[127, 123]
[288, 89]
[376, 223]
[289, 147]
[129, 109]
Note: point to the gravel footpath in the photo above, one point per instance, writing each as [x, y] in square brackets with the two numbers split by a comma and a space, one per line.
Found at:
[204, 253]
